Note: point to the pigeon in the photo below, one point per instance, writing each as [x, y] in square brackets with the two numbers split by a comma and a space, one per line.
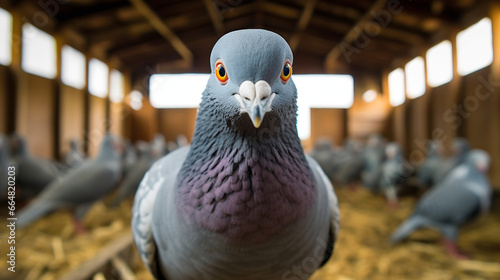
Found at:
[425, 172]
[160, 145]
[32, 174]
[461, 197]
[459, 148]
[393, 173]
[79, 188]
[133, 178]
[374, 156]
[243, 201]
[350, 163]
[129, 157]
[4, 164]
[75, 156]
[325, 155]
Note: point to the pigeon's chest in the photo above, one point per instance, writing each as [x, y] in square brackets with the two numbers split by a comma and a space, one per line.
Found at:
[253, 199]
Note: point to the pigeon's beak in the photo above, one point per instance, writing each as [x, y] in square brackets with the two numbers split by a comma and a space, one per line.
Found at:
[255, 99]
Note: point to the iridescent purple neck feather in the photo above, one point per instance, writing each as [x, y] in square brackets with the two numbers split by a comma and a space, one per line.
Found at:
[242, 182]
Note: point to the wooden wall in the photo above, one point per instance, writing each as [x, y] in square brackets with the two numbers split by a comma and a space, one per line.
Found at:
[71, 117]
[143, 124]
[4, 94]
[98, 123]
[328, 123]
[173, 122]
[35, 113]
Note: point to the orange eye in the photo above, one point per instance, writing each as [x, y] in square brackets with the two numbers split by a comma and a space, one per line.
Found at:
[220, 72]
[286, 73]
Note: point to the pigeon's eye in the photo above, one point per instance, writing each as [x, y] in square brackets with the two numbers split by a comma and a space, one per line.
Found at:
[286, 73]
[220, 72]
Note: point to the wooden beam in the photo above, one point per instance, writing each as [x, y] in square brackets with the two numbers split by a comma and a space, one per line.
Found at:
[353, 34]
[163, 29]
[302, 24]
[214, 16]
[280, 10]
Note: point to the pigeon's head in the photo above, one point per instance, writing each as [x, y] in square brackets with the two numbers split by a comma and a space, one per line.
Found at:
[460, 146]
[480, 159]
[111, 147]
[393, 150]
[17, 145]
[251, 73]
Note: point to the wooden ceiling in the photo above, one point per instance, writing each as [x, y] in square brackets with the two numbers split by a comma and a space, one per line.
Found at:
[149, 36]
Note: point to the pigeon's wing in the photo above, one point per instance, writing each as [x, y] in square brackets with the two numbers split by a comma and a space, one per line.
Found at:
[132, 181]
[324, 183]
[162, 174]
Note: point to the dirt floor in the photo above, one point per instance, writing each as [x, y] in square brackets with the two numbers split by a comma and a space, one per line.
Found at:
[50, 248]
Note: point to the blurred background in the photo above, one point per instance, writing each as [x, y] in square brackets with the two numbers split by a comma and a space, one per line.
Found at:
[412, 73]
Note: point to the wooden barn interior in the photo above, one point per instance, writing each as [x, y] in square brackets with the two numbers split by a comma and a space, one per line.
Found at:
[135, 39]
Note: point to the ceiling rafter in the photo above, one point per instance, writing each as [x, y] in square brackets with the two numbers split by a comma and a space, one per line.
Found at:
[164, 30]
[214, 16]
[302, 24]
[352, 34]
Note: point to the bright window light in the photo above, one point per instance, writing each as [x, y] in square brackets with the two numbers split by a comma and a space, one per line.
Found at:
[177, 90]
[475, 47]
[136, 100]
[116, 86]
[415, 77]
[98, 78]
[72, 67]
[38, 52]
[314, 91]
[397, 87]
[5, 37]
[369, 96]
[439, 64]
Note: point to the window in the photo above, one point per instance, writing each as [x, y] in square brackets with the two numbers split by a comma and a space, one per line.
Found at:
[5, 37]
[38, 52]
[397, 87]
[475, 47]
[72, 67]
[369, 96]
[98, 78]
[177, 90]
[415, 77]
[116, 86]
[439, 64]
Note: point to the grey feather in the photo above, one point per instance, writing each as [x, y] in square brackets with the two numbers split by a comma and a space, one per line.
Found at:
[460, 197]
[222, 170]
[81, 186]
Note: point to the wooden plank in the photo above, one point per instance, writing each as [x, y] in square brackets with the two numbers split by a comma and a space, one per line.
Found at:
[92, 266]
[163, 29]
[214, 16]
[302, 24]
[353, 34]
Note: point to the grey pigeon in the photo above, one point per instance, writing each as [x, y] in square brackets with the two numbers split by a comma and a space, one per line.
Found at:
[374, 155]
[32, 174]
[351, 162]
[133, 178]
[393, 173]
[459, 148]
[461, 197]
[243, 201]
[79, 188]
[4, 165]
[325, 155]
[75, 156]
[159, 144]
[129, 157]
[426, 171]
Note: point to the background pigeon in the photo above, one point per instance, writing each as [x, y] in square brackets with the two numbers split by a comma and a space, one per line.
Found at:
[32, 174]
[325, 155]
[79, 188]
[133, 178]
[464, 194]
[393, 173]
[374, 155]
[459, 148]
[243, 202]
[75, 156]
[426, 171]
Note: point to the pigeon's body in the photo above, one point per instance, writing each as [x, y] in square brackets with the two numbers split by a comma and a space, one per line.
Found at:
[351, 163]
[78, 189]
[460, 147]
[75, 156]
[243, 201]
[32, 174]
[393, 173]
[426, 171]
[132, 180]
[461, 197]
[374, 157]
[326, 156]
